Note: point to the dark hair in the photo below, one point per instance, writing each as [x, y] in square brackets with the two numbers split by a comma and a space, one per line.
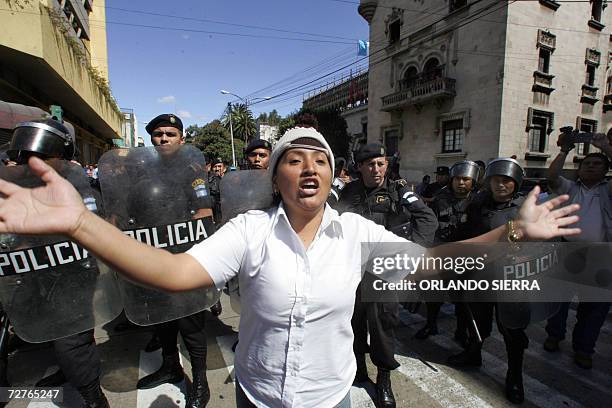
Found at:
[602, 156]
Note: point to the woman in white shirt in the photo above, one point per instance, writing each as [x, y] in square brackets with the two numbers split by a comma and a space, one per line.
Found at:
[298, 265]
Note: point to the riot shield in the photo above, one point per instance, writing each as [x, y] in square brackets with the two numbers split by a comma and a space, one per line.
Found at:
[245, 190]
[532, 261]
[242, 191]
[49, 286]
[155, 195]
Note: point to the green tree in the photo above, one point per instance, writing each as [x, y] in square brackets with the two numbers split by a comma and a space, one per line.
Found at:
[213, 139]
[243, 122]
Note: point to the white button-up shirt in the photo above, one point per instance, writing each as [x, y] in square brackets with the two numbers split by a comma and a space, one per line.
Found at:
[295, 342]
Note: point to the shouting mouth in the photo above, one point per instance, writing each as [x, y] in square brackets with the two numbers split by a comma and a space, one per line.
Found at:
[309, 187]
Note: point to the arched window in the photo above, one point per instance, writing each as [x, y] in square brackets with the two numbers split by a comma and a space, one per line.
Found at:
[411, 75]
[432, 69]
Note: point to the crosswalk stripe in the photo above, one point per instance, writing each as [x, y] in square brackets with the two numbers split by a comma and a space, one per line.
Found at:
[537, 392]
[163, 395]
[560, 361]
[438, 385]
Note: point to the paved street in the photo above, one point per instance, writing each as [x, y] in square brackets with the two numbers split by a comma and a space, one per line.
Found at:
[423, 380]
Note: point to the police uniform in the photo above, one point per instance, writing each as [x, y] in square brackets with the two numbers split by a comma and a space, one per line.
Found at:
[401, 211]
[215, 192]
[190, 191]
[483, 215]
[434, 188]
[451, 214]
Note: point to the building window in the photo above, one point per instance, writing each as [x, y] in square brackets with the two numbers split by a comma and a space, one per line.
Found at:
[453, 136]
[585, 125]
[410, 78]
[539, 125]
[596, 9]
[537, 135]
[391, 141]
[456, 5]
[394, 31]
[432, 69]
[590, 75]
[595, 22]
[544, 61]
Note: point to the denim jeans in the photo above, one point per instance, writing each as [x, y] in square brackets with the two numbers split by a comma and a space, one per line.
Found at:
[243, 402]
[590, 316]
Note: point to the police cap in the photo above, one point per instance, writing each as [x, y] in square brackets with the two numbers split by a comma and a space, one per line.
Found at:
[442, 170]
[258, 144]
[164, 120]
[370, 151]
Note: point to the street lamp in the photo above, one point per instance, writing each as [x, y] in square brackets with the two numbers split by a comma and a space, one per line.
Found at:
[229, 107]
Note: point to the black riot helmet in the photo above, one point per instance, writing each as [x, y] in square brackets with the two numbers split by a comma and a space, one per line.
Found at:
[465, 168]
[506, 167]
[46, 138]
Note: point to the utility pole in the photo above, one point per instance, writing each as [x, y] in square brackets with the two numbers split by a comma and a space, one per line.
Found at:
[229, 107]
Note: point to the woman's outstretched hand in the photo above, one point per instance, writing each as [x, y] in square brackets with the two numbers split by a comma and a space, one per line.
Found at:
[55, 208]
[546, 221]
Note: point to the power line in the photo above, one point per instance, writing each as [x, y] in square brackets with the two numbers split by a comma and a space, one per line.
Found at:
[362, 59]
[476, 16]
[226, 23]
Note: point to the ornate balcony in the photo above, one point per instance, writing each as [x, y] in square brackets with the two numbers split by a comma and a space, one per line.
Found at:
[418, 92]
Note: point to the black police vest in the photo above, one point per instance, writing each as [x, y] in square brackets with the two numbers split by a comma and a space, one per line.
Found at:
[488, 214]
[451, 213]
[382, 205]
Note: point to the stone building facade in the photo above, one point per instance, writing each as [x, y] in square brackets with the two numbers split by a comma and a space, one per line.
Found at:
[456, 79]
[54, 52]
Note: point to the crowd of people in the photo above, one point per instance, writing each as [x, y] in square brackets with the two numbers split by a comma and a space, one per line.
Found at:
[303, 338]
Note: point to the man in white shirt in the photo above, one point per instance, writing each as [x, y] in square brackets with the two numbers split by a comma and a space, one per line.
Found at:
[594, 194]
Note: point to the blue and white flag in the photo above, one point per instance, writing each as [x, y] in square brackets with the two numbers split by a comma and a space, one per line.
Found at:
[364, 48]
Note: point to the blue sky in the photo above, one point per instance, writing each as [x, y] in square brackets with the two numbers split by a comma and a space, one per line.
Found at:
[182, 70]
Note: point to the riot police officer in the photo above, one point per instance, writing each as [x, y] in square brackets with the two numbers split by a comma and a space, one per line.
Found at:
[258, 154]
[392, 204]
[214, 179]
[442, 178]
[491, 208]
[167, 130]
[77, 355]
[450, 207]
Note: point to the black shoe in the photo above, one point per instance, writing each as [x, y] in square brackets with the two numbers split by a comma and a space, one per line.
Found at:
[199, 395]
[171, 371]
[93, 396]
[470, 357]
[515, 393]
[153, 344]
[53, 380]
[361, 375]
[384, 393]
[426, 331]
[216, 309]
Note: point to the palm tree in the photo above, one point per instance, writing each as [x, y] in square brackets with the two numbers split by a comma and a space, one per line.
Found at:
[243, 122]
